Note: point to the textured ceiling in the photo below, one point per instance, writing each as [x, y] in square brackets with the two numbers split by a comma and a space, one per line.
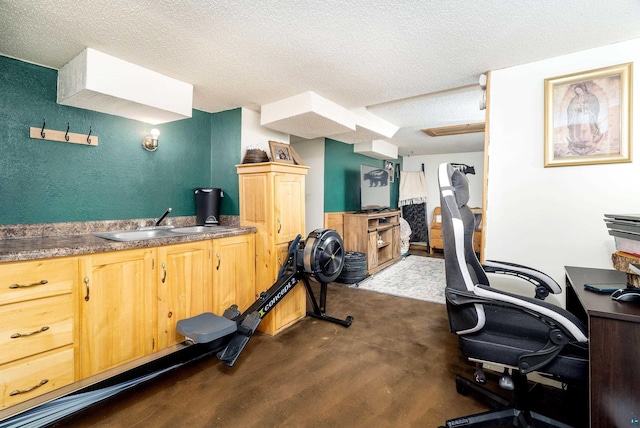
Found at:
[413, 63]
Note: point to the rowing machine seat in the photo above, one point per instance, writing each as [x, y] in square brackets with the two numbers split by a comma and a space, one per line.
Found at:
[206, 327]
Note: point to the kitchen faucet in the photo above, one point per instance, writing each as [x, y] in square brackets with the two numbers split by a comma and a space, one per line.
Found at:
[166, 213]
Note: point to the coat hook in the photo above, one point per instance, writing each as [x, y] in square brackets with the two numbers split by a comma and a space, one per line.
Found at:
[89, 136]
[66, 135]
[44, 122]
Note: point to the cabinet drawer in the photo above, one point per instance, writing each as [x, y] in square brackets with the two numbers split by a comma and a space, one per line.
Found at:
[22, 281]
[32, 327]
[35, 377]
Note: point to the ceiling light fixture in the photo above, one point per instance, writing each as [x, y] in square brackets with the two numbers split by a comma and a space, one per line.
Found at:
[150, 142]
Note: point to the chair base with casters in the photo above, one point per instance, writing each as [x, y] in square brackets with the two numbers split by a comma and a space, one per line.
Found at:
[506, 417]
[506, 413]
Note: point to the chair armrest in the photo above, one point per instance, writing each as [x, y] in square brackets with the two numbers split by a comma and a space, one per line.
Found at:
[544, 283]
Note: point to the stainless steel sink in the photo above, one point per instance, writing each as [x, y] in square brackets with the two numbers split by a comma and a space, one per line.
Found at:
[135, 235]
[161, 232]
[189, 230]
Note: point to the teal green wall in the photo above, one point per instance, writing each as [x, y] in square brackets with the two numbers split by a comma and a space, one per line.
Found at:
[342, 177]
[225, 155]
[48, 181]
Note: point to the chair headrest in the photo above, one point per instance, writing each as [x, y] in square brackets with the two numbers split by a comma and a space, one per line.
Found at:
[460, 185]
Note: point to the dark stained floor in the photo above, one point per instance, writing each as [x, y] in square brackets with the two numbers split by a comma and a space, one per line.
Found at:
[395, 366]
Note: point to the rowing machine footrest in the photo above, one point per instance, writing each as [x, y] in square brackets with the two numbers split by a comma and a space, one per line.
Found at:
[231, 312]
[206, 327]
[250, 324]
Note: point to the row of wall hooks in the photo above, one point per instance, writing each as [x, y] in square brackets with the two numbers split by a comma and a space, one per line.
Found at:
[63, 136]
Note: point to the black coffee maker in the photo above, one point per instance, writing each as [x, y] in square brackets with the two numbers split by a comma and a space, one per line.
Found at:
[208, 206]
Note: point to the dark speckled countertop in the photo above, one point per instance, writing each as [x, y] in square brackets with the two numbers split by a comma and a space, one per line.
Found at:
[39, 241]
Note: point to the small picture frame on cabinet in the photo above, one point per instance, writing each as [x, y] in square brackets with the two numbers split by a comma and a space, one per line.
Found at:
[280, 152]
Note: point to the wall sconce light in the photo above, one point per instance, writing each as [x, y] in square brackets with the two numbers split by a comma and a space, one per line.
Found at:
[482, 81]
[150, 142]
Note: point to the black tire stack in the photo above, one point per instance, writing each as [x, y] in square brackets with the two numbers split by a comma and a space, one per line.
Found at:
[355, 268]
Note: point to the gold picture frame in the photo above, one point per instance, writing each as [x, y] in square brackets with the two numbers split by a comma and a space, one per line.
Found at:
[280, 152]
[587, 117]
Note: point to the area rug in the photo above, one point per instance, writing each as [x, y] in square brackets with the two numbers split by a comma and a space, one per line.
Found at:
[415, 277]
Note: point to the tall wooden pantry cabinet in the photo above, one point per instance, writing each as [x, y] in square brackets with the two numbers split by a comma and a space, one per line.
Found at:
[272, 201]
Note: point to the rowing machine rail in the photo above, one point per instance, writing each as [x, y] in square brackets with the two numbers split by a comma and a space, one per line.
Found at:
[325, 250]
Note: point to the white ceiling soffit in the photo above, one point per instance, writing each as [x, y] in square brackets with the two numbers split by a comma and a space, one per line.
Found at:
[307, 115]
[97, 81]
[378, 149]
[368, 127]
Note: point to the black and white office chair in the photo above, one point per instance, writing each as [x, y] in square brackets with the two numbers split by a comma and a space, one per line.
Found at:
[525, 334]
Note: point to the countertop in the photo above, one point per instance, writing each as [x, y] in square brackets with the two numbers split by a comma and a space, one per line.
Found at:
[30, 242]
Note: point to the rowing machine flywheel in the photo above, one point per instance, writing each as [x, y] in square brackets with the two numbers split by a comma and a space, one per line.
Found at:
[323, 255]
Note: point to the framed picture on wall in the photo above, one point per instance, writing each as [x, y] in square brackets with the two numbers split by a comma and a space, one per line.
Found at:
[587, 117]
[391, 169]
[280, 152]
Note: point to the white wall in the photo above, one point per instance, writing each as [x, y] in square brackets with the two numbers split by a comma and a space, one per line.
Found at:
[548, 218]
[431, 163]
[255, 136]
[312, 154]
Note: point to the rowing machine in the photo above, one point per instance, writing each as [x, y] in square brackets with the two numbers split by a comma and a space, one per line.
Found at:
[322, 256]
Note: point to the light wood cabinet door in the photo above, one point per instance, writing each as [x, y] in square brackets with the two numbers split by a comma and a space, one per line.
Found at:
[184, 286]
[289, 206]
[233, 272]
[293, 306]
[117, 306]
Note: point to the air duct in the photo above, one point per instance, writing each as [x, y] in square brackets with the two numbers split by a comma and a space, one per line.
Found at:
[307, 115]
[378, 149]
[100, 82]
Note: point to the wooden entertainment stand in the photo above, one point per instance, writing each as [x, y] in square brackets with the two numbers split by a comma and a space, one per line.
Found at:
[375, 234]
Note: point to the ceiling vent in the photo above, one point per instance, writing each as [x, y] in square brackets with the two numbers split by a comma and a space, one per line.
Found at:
[100, 82]
[467, 128]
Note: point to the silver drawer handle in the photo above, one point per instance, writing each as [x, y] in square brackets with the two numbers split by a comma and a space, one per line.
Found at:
[17, 391]
[17, 335]
[33, 284]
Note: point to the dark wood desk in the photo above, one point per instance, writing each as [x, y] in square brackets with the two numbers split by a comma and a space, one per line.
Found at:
[614, 347]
